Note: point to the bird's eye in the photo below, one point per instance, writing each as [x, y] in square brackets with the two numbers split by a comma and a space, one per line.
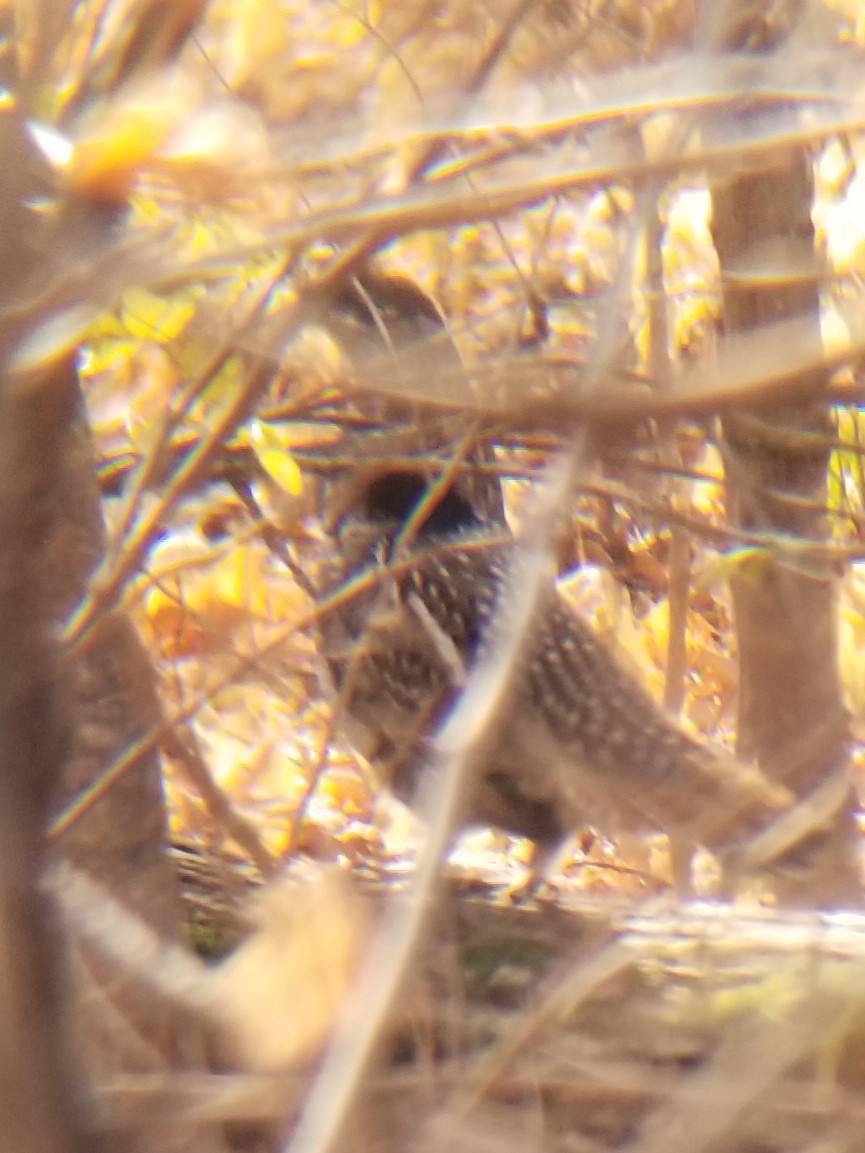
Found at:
[395, 495]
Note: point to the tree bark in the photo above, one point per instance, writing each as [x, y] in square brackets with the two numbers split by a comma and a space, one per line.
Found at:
[791, 717]
[64, 719]
[38, 1092]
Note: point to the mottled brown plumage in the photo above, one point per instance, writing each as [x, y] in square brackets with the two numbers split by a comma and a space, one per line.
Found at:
[578, 738]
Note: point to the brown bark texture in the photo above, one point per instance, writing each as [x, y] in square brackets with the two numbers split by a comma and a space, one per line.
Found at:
[65, 717]
[791, 716]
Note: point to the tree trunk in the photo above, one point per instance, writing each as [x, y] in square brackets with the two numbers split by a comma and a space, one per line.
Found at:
[791, 717]
[37, 1093]
[64, 719]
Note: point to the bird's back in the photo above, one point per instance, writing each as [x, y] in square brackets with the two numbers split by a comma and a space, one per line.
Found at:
[576, 740]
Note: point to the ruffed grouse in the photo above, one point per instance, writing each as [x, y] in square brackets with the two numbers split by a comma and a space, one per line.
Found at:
[579, 739]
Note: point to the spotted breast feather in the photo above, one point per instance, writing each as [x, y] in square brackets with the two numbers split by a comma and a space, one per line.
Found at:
[578, 739]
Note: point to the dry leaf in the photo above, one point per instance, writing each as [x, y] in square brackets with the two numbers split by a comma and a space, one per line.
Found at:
[279, 996]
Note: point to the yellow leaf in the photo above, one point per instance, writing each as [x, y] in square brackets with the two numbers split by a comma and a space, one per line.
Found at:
[233, 577]
[114, 141]
[748, 562]
[147, 316]
[270, 443]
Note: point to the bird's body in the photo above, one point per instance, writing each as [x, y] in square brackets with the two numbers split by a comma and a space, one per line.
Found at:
[577, 739]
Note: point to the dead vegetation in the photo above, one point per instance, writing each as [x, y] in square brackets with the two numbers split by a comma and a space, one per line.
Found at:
[595, 265]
